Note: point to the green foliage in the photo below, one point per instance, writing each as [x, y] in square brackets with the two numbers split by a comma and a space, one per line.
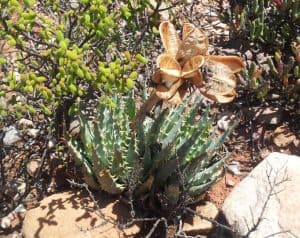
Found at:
[150, 158]
[274, 27]
[70, 50]
[274, 22]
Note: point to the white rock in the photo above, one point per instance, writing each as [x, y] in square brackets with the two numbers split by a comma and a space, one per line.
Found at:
[20, 188]
[24, 123]
[11, 136]
[5, 222]
[225, 121]
[32, 167]
[33, 132]
[51, 144]
[234, 167]
[267, 198]
[20, 209]
[74, 4]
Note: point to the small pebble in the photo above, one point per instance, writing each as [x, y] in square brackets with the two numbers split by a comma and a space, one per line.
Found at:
[11, 136]
[24, 123]
[233, 167]
[230, 183]
[51, 144]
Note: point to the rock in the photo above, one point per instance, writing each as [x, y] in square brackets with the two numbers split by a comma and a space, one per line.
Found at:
[15, 188]
[74, 128]
[194, 225]
[74, 4]
[283, 137]
[248, 55]
[24, 123]
[267, 199]
[14, 218]
[51, 144]
[32, 166]
[234, 167]
[11, 136]
[72, 214]
[227, 51]
[274, 96]
[226, 120]
[5, 223]
[261, 58]
[33, 132]
[230, 183]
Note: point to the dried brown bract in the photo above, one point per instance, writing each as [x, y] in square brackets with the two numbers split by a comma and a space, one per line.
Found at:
[186, 61]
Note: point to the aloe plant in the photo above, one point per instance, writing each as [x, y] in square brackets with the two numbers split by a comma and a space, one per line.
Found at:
[112, 152]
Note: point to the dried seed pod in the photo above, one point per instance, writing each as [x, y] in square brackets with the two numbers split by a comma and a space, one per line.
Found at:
[170, 69]
[220, 81]
[169, 37]
[194, 42]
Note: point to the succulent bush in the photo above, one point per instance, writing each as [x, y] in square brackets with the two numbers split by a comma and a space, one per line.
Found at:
[274, 27]
[68, 51]
[163, 157]
[275, 22]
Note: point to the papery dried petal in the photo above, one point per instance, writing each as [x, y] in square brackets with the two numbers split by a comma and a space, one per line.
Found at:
[170, 69]
[165, 93]
[169, 37]
[218, 97]
[192, 66]
[220, 82]
[178, 96]
[234, 63]
[186, 29]
[195, 42]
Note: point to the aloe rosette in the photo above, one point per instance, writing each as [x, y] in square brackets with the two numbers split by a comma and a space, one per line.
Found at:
[112, 153]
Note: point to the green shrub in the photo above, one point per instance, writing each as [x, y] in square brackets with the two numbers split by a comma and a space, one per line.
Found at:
[275, 22]
[69, 51]
[274, 27]
[149, 160]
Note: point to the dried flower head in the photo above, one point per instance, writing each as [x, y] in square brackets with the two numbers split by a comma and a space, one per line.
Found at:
[184, 63]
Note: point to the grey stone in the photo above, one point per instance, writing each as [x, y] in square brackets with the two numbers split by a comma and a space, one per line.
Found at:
[266, 202]
[11, 136]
